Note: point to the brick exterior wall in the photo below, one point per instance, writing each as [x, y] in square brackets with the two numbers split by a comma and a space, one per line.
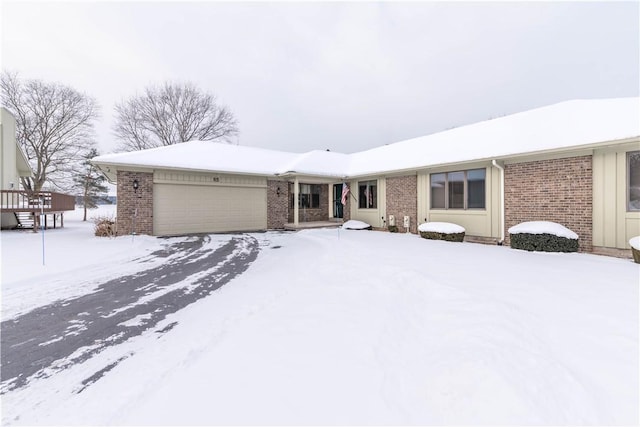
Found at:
[402, 199]
[317, 214]
[277, 205]
[559, 190]
[127, 203]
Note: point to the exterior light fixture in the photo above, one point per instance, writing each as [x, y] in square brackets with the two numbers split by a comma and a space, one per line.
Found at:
[278, 191]
[135, 185]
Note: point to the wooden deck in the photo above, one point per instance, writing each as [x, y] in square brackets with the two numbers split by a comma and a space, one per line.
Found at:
[28, 206]
[25, 201]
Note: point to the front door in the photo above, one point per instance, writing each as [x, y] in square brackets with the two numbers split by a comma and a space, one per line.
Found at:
[337, 200]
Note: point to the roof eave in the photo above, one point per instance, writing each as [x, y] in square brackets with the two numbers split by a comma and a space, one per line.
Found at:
[135, 166]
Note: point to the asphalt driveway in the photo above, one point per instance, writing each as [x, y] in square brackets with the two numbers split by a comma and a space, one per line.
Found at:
[42, 342]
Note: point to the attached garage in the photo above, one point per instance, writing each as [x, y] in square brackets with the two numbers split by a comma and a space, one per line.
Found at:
[186, 203]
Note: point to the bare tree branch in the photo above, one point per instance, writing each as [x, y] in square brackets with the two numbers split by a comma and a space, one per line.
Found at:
[170, 114]
[54, 126]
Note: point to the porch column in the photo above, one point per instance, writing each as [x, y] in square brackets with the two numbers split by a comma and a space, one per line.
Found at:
[296, 208]
[332, 202]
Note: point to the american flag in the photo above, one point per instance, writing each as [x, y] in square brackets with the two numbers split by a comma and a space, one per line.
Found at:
[367, 194]
[345, 192]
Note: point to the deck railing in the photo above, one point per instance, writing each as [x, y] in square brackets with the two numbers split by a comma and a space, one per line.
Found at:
[25, 201]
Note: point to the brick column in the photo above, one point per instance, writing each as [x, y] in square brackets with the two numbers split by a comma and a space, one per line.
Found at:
[402, 199]
[130, 200]
[277, 205]
[559, 190]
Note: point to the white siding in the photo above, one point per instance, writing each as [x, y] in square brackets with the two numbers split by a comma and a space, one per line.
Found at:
[613, 226]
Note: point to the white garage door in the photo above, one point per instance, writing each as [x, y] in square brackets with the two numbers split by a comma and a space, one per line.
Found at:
[183, 209]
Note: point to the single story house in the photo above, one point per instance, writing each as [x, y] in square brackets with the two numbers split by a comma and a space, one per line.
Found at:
[576, 163]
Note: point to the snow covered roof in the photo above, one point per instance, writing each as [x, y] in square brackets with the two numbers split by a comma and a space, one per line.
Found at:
[324, 163]
[204, 156]
[566, 125]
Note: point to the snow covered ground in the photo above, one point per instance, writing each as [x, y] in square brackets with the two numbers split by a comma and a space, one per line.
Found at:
[69, 252]
[360, 327]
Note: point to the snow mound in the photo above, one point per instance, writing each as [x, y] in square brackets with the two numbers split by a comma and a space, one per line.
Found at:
[543, 227]
[353, 224]
[441, 227]
[635, 243]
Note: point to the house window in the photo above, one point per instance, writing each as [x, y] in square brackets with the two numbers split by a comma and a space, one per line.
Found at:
[368, 194]
[475, 188]
[438, 195]
[309, 196]
[458, 190]
[633, 181]
[455, 185]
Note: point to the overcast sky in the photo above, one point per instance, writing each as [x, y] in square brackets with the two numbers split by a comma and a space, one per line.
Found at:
[338, 76]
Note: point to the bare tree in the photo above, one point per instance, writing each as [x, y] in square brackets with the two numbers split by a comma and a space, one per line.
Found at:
[170, 114]
[54, 126]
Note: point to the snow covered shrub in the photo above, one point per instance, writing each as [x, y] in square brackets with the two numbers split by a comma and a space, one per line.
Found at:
[356, 225]
[393, 228]
[544, 242]
[105, 226]
[442, 231]
[635, 249]
[449, 237]
[543, 236]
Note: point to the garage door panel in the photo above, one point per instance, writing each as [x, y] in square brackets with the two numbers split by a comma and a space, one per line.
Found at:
[184, 209]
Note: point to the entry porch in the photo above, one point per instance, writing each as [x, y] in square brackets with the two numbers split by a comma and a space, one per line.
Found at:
[319, 203]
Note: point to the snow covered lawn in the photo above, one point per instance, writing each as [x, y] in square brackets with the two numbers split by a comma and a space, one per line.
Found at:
[364, 327]
[70, 252]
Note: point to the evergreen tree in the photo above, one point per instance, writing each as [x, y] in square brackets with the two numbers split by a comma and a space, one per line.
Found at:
[91, 182]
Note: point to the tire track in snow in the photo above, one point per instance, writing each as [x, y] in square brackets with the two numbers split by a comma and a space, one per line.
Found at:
[52, 338]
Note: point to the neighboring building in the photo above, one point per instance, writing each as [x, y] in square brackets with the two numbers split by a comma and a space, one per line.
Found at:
[576, 163]
[19, 208]
[14, 164]
[13, 160]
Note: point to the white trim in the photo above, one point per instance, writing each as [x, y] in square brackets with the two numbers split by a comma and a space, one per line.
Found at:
[502, 207]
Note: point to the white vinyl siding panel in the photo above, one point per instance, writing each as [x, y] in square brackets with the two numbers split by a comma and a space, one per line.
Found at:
[184, 209]
[613, 225]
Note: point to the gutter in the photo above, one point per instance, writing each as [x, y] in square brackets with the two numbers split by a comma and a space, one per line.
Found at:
[502, 223]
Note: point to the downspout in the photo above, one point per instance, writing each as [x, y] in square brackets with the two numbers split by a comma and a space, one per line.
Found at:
[502, 224]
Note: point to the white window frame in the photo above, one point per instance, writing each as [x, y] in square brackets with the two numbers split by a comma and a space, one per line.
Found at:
[465, 190]
[628, 183]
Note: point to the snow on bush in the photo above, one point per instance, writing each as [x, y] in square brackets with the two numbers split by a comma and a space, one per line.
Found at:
[441, 227]
[543, 227]
[545, 236]
[442, 231]
[353, 224]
